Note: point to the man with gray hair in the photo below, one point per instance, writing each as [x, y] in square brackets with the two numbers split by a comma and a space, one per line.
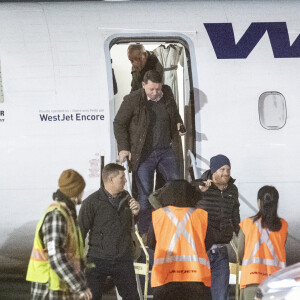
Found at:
[142, 61]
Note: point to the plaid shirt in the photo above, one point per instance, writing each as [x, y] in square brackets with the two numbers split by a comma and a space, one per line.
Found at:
[54, 231]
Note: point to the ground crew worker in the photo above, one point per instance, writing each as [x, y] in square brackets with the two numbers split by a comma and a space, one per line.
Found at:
[181, 267]
[56, 263]
[261, 243]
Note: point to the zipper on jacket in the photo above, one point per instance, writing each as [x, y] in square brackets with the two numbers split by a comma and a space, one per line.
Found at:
[222, 212]
[222, 195]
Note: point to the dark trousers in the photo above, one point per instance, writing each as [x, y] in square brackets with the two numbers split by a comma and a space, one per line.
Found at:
[121, 272]
[219, 264]
[182, 291]
[163, 160]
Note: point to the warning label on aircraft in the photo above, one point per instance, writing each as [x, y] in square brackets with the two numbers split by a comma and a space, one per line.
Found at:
[73, 115]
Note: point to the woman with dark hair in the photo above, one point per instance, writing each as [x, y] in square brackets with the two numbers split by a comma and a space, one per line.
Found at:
[178, 233]
[261, 243]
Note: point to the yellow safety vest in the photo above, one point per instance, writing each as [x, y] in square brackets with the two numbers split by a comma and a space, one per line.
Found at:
[264, 252]
[39, 269]
[180, 249]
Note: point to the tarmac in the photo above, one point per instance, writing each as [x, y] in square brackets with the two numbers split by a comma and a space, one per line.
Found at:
[19, 289]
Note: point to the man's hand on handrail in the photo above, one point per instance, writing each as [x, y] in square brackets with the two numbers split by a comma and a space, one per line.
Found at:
[123, 155]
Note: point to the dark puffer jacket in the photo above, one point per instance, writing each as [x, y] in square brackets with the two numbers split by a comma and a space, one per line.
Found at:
[222, 207]
[151, 64]
[132, 121]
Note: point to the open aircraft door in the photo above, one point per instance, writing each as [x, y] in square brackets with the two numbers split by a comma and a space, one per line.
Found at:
[175, 52]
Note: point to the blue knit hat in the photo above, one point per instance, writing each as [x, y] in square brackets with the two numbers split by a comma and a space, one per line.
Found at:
[218, 161]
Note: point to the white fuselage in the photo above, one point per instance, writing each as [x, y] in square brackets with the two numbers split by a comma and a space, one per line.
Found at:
[57, 107]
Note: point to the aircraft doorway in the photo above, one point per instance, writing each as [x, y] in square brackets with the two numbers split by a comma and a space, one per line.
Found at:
[174, 57]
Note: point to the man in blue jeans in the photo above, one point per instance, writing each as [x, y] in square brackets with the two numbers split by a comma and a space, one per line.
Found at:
[144, 127]
[220, 200]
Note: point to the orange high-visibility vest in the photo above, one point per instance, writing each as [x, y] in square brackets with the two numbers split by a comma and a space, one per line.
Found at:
[180, 253]
[264, 252]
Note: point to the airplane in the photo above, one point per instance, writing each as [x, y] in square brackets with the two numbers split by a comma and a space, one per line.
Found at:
[65, 71]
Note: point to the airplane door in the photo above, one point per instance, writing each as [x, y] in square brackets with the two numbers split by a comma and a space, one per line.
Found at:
[174, 56]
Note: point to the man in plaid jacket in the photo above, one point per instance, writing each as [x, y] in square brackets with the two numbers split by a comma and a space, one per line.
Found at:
[56, 263]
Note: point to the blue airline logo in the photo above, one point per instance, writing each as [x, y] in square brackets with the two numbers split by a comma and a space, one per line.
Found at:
[223, 41]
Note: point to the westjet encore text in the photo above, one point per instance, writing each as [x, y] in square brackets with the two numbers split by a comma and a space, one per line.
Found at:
[71, 117]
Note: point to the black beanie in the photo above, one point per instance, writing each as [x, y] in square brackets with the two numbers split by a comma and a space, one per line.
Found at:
[218, 161]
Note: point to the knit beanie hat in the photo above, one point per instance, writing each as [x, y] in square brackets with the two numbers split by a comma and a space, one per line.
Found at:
[218, 161]
[71, 183]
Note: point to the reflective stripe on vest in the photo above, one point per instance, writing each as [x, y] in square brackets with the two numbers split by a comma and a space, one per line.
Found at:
[39, 254]
[264, 238]
[180, 230]
[39, 269]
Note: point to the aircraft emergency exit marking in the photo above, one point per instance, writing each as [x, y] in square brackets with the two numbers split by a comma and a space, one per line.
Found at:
[222, 38]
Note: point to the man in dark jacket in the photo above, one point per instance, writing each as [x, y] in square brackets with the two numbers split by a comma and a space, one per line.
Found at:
[142, 61]
[220, 200]
[144, 127]
[107, 216]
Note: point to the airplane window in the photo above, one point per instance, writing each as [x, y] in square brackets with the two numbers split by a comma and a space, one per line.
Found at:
[272, 110]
